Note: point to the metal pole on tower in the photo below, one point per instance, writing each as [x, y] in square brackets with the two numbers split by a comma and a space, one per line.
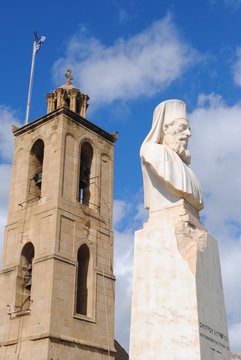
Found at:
[31, 80]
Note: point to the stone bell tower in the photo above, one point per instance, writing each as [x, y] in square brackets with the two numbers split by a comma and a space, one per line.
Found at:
[56, 280]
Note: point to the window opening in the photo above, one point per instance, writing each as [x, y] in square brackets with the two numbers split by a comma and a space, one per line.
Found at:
[67, 102]
[37, 156]
[77, 110]
[85, 171]
[82, 279]
[24, 278]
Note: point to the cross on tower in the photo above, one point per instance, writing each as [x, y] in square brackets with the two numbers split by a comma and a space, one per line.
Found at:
[69, 76]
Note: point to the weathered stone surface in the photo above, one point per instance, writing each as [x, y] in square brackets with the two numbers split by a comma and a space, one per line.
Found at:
[235, 356]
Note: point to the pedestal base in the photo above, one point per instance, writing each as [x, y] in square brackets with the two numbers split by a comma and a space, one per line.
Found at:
[178, 307]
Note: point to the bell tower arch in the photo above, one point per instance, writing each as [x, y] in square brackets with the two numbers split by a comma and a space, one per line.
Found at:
[56, 280]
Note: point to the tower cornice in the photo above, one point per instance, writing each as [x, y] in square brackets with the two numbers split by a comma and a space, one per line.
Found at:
[73, 116]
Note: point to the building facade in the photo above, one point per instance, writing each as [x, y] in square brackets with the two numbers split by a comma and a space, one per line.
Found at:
[56, 280]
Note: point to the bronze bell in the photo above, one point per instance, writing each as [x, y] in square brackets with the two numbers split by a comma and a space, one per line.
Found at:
[38, 177]
[39, 180]
[84, 177]
[29, 283]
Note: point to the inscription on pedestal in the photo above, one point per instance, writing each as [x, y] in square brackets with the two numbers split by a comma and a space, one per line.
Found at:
[217, 340]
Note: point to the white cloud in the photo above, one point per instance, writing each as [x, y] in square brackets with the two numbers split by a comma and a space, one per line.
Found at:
[5, 178]
[123, 267]
[129, 217]
[237, 68]
[120, 208]
[216, 151]
[210, 100]
[216, 159]
[231, 265]
[7, 119]
[144, 64]
[234, 334]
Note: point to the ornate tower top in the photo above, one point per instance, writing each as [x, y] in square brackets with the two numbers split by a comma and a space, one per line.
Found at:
[69, 96]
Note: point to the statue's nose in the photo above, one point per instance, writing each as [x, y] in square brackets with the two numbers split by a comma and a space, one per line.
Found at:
[188, 132]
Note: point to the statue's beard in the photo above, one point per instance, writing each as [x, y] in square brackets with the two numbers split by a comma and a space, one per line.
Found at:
[183, 153]
[180, 147]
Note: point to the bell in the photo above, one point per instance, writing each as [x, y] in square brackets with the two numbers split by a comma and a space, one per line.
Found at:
[83, 183]
[38, 177]
[84, 177]
[29, 283]
[39, 180]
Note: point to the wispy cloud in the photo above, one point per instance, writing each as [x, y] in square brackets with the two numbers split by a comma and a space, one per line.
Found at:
[128, 217]
[233, 3]
[144, 64]
[7, 119]
[210, 101]
[123, 16]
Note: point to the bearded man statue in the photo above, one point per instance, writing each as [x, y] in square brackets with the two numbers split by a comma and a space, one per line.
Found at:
[165, 159]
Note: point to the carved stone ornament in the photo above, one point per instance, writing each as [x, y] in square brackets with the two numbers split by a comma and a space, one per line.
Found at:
[69, 76]
[165, 158]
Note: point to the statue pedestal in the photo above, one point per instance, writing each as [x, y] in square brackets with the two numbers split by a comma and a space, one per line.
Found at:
[178, 307]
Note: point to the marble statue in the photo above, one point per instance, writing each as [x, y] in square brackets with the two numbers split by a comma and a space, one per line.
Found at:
[165, 158]
[178, 309]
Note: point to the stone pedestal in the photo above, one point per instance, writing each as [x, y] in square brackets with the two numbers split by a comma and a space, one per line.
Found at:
[178, 307]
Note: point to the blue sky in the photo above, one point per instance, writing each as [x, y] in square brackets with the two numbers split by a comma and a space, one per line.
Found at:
[128, 56]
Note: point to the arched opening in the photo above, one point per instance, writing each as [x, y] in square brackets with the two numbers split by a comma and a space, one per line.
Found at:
[24, 278]
[85, 173]
[67, 102]
[82, 280]
[36, 168]
[77, 107]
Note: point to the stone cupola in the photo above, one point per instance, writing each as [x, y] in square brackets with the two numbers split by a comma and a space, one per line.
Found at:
[69, 96]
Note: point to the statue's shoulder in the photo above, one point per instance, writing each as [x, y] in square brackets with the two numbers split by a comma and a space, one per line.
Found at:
[149, 149]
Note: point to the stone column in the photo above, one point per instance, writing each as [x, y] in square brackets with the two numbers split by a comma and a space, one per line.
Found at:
[50, 102]
[60, 97]
[84, 105]
[73, 98]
